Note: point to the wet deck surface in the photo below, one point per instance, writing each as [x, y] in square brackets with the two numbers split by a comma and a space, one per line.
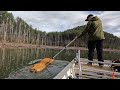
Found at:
[94, 66]
[50, 72]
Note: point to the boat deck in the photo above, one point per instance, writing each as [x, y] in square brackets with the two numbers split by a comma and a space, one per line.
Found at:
[94, 71]
[60, 69]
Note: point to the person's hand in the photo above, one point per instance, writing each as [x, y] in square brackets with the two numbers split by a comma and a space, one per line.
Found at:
[79, 36]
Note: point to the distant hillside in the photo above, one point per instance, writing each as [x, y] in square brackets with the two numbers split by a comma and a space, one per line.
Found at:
[63, 38]
[111, 41]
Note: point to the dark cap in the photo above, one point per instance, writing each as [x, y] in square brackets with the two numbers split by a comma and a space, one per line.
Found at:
[89, 16]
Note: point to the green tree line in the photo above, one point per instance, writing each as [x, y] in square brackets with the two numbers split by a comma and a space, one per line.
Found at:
[18, 31]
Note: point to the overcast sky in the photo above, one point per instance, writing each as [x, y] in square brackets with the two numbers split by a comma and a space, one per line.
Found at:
[62, 20]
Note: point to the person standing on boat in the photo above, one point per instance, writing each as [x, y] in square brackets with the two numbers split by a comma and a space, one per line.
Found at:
[95, 38]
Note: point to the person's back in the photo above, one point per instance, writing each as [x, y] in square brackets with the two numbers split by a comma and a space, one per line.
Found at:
[95, 30]
[95, 38]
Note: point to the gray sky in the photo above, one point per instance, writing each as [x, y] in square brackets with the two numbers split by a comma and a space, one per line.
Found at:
[62, 20]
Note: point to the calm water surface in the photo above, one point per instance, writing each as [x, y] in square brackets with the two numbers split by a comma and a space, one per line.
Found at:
[15, 59]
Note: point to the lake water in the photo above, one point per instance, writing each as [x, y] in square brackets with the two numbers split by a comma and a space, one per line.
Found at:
[15, 59]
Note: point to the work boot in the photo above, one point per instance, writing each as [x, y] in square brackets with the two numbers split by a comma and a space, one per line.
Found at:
[89, 64]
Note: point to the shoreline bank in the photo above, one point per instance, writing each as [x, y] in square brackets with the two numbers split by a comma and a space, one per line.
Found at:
[22, 45]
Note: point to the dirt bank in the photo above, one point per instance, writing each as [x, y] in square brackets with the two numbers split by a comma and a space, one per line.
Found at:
[17, 45]
[22, 45]
[78, 48]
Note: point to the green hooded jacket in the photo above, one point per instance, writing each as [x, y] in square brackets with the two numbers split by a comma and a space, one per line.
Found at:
[94, 29]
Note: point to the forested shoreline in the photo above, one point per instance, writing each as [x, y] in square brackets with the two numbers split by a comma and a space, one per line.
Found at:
[17, 31]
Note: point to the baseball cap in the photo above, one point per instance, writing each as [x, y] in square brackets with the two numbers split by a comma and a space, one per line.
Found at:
[89, 16]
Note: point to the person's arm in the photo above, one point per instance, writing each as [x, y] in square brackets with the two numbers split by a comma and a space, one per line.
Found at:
[85, 30]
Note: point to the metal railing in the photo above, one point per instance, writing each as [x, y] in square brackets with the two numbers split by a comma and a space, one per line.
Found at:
[67, 72]
[90, 72]
[94, 73]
